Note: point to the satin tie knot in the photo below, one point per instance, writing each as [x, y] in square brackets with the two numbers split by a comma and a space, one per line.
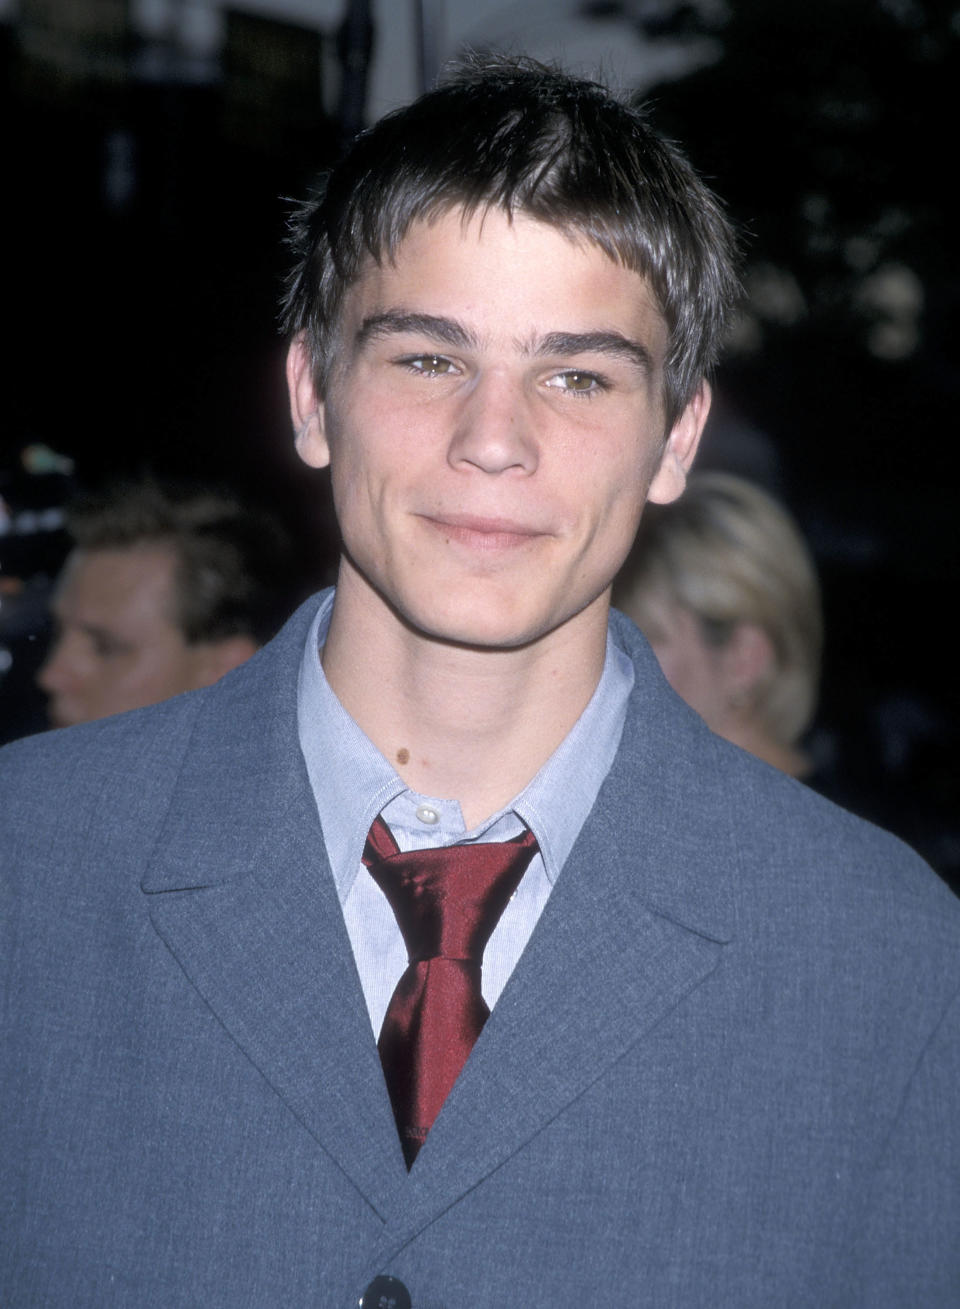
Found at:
[446, 901]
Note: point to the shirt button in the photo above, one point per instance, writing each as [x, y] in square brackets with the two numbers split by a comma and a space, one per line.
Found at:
[385, 1293]
[427, 815]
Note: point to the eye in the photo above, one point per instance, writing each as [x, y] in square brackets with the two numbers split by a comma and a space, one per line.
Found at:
[106, 646]
[429, 365]
[577, 382]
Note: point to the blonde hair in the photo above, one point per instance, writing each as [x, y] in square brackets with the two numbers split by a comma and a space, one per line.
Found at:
[731, 554]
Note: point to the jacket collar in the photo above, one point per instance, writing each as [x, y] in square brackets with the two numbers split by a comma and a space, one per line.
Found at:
[239, 887]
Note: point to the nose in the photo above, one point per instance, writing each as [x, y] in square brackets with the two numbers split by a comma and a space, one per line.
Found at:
[60, 669]
[495, 429]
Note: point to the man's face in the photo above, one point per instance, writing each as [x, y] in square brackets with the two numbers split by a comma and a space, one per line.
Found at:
[494, 423]
[117, 646]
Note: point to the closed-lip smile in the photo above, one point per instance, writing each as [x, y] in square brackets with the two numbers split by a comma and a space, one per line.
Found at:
[483, 533]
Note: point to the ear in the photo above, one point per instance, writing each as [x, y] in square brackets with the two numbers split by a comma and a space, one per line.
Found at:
[681, 446]
[306, 408]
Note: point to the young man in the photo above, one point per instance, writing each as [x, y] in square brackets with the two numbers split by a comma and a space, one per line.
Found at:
[440, 955]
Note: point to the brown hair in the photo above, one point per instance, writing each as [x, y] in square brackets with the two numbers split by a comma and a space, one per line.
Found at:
[513, 134]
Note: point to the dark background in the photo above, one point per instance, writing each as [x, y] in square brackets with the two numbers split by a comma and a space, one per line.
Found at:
[145, 216]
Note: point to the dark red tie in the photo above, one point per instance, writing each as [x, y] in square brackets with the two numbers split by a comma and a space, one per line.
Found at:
[447, 902]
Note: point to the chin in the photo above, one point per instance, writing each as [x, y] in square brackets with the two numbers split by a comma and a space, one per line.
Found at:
[487, 624]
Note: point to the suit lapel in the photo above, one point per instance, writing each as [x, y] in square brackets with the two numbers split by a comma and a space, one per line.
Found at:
[637, 920]
[241, 892]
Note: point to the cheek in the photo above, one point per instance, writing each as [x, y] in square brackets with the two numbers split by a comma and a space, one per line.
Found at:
[357, 498]
[618, 471]
[363, 492]
[350, 466]
[151, 666]
[366, 451]
[615, 502]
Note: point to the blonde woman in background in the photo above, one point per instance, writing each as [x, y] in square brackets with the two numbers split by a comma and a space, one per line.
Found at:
[725, 590]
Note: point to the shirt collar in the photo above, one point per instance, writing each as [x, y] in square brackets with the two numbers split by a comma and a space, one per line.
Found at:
[352, 781]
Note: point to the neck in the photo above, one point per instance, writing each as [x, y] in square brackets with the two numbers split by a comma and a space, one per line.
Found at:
[461, 723]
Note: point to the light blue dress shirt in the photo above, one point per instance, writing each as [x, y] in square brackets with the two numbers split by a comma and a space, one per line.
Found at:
[353, 783]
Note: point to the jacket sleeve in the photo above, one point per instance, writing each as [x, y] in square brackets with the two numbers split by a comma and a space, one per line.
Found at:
[910, 1240]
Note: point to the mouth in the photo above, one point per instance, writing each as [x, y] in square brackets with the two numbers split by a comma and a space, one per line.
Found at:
[483, 534]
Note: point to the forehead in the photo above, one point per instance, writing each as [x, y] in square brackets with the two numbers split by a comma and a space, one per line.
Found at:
[123, 587]
[507, 274]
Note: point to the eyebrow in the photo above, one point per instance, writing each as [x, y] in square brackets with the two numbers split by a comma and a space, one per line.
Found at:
[93, 631]
[449, 332]
[606, 343]
[395, 322]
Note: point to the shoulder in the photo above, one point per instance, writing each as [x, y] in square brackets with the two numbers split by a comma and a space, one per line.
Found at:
[87, 789]
[77, 760]
[843, 912]
[102, 790]
[805, 877]
[812, 853]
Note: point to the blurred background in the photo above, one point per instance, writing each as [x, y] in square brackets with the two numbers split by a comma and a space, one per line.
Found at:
[153, 146]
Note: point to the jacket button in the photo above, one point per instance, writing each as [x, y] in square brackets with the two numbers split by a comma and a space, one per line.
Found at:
[386, 1293]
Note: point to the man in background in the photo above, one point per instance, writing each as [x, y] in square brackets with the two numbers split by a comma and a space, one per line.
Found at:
[167, 588]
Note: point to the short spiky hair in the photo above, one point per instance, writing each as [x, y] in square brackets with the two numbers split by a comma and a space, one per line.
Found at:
[515, 135]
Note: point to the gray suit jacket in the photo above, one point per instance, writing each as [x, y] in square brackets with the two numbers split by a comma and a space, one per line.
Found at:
[725, 1071]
